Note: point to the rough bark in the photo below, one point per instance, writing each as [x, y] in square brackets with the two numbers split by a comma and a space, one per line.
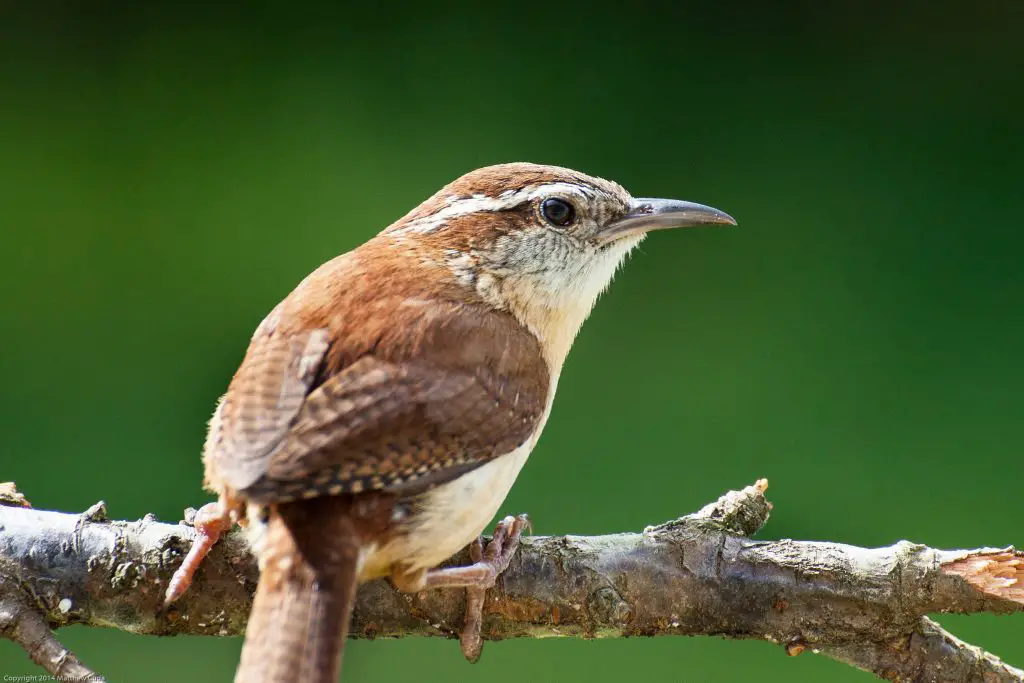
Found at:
[698, 575]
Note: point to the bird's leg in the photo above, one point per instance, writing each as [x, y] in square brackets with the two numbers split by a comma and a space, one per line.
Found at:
[476, 578]
[210, 521]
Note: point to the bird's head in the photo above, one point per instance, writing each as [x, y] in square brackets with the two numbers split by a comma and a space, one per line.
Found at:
[541, 242]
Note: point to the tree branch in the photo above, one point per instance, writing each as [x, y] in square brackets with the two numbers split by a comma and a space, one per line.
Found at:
[23, 623]
[928, 653]
[698, 575]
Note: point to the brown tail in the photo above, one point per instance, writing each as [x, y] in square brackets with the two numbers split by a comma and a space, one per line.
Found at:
[300, 616]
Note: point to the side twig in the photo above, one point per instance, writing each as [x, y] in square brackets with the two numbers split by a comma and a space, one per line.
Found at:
[23, 623]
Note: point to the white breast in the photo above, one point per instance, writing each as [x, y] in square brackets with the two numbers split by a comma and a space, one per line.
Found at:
[455, 513]
[452, 515]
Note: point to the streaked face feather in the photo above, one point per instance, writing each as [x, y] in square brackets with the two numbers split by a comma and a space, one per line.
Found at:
[488, 229]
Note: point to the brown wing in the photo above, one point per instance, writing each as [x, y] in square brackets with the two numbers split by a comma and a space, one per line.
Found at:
[395, 423]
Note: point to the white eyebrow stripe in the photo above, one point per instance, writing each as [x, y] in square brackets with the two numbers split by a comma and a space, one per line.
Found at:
[461, 206]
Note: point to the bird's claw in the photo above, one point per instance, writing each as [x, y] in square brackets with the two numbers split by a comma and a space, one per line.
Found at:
[209, 522]
[496, 556]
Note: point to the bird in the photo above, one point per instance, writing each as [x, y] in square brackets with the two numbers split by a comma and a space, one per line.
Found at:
[385, 407]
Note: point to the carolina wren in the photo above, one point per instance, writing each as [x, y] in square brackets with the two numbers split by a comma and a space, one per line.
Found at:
[385, 407]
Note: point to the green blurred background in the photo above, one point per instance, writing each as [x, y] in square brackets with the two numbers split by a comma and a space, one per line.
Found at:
[168, 172]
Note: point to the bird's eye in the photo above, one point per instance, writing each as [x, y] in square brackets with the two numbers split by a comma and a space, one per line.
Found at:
[558, 212]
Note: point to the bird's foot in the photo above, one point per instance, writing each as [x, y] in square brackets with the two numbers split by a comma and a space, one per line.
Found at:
[210, 522]
[488, 564]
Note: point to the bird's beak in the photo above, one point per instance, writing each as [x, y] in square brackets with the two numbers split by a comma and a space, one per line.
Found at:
[648, 214]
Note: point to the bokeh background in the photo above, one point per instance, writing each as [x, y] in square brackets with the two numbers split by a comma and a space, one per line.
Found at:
[168, 172]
